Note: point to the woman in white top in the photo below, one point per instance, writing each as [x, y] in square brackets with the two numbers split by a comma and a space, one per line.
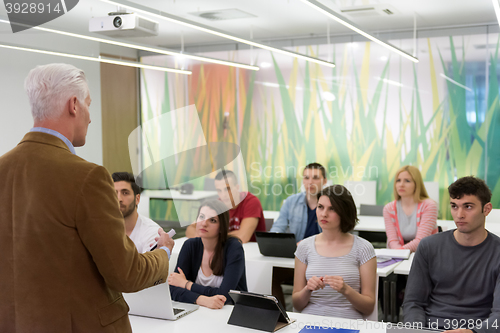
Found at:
[335, 271]
[210, 265]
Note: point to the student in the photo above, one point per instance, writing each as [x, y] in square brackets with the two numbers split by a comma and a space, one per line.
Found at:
[141, 229]
[335, 271]
[298, 216]
[211, 264]
[245, 211]
[298, 213]
[413, 215]
[454, 281]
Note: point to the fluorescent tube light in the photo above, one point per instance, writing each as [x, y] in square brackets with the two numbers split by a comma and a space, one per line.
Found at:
[145, 48]
[158, 14]
[345, 22]
[99, 59]
[497, 10]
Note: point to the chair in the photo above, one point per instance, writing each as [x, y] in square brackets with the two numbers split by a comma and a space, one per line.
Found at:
[493, 216]
[209, 185]
[269, 224]
[433, 191]
[371, 210]
[363, 192]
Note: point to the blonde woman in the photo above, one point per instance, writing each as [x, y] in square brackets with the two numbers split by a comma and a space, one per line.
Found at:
[413, 215]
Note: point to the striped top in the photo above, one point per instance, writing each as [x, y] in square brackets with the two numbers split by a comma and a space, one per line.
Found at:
[427, 212]
[327, 301]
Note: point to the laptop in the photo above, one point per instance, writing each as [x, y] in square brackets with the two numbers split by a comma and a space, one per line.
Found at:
[276, 244]
[155, 302]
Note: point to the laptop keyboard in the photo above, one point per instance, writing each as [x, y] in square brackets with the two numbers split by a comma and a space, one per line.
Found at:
[177, 311]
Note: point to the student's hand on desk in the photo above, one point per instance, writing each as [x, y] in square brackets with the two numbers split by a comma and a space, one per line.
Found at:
[315, 283]
[211, 302]
[336, 282]
[164, 239]
[177, 279]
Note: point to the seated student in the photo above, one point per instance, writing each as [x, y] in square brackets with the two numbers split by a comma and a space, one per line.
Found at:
[298, 216]
[335, 271]
[245, 211]
[210, 265]
[298, 213]
[141, 229]
[413, 215]
[454, 281]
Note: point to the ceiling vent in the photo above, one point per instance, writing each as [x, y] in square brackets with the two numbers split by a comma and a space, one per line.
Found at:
[222, 14]
[383, 10]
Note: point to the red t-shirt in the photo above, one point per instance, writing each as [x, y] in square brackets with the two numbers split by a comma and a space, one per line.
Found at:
[249, 207]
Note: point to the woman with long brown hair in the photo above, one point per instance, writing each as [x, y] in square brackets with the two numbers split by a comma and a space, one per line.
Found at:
[209, 265]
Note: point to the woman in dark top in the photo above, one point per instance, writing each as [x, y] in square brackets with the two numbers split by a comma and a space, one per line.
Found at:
[210, 265]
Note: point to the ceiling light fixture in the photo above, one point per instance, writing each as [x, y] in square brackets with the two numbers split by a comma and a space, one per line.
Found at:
[497, 10]
[339, 18]
[158, 14]
[145, 48]
[99, 59]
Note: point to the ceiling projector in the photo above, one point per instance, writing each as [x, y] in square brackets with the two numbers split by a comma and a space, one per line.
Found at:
[123, 25]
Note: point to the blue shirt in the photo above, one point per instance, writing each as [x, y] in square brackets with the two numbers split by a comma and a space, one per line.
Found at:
[56, 134]
[312, 223]
[293, 216]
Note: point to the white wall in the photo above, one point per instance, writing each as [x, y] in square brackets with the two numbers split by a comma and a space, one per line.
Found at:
[15, 115]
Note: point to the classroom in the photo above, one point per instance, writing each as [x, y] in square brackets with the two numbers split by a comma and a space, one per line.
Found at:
[324, 129]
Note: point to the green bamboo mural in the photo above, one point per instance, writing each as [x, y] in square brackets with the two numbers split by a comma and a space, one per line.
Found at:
[369, 128]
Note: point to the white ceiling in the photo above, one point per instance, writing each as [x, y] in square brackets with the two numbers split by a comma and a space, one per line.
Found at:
[282, 19]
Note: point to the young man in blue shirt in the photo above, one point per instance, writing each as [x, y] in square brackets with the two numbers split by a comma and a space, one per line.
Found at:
[298, 216]
[298, 213]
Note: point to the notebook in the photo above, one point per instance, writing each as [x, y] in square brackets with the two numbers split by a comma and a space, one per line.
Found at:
[155, 302]
[276, 244]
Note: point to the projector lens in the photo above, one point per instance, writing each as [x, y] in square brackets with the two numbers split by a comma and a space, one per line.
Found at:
[117, 22]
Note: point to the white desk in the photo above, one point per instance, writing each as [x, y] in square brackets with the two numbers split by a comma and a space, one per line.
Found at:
[259, 269]
[404, 267]
[212, 321]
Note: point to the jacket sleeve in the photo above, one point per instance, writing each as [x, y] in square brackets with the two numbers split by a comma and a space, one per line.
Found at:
[101, 229]
[281, 223]
[391, 228]
[188, 259]
[418, 288]
[428, 222]
[233, 272]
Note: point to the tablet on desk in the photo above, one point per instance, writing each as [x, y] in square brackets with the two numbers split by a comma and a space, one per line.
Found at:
[258, 311]
[276, 244]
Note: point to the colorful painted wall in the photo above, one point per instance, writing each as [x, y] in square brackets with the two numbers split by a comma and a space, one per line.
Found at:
[371, 114]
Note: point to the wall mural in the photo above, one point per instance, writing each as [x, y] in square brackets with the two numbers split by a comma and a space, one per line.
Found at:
[371, 114]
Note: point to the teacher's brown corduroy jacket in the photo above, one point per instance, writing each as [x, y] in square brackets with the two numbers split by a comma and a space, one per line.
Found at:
[64, 254]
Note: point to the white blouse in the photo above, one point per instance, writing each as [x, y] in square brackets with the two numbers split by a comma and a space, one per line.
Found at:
[213, 281]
